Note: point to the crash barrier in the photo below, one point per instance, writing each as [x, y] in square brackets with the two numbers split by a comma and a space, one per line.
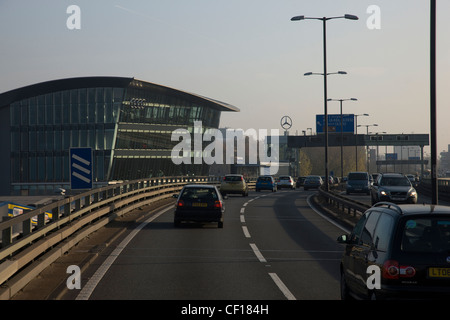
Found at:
[344, 204]
[50, 231]
[443, 188]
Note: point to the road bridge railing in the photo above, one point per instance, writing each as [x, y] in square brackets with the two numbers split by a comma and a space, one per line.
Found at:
[48, 232]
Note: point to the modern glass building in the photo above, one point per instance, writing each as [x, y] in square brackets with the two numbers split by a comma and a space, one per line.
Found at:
[127, 122]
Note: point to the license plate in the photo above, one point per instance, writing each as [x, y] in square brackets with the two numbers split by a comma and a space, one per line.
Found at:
[199, 204]
[439, 272]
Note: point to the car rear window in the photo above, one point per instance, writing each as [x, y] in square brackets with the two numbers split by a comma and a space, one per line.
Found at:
[265, 179]
[358, 176]
[199, 193]
[232, 178]
[426, 235]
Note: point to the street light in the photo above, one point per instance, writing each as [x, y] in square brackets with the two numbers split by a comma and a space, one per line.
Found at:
[325, 74]
[342, 133]
[356, 136]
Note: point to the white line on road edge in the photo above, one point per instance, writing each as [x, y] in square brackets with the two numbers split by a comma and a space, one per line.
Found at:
[242, 218]
[282, 286]
[246, 233]
[242, 210]
[257, 253]
[87, 290]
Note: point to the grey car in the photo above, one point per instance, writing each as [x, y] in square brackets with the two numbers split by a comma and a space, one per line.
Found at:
[393, 187]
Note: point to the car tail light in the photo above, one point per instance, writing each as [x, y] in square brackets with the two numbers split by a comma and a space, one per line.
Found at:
[180, 203]
[392, 270]
[218, 204]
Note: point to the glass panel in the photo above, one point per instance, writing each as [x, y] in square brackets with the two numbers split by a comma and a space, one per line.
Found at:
[32, 117]
[100, 139]
[58, 169]
[32, 140]
[49, 170]
[24, 112]
[32, 164]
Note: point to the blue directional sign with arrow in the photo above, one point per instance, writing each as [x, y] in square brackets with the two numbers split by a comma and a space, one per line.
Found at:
[80, 168]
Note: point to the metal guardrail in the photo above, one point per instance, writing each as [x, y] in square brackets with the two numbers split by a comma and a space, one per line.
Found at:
[344, 204]
[70, 221]
[443, 188]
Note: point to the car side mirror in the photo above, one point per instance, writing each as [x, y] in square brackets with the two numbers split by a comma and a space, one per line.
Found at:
[343, 239]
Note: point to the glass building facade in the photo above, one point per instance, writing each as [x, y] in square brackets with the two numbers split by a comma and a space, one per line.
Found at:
[126, 122]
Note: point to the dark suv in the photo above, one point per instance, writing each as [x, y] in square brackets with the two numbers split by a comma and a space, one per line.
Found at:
[393, 187]
[409, 245]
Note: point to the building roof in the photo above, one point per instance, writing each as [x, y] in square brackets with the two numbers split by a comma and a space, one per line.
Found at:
[29, 91]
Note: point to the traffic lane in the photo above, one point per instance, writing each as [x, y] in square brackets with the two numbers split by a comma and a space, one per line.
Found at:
[194, 262]
[299, 245]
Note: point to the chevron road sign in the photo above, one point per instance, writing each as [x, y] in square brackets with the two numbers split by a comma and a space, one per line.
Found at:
[80, 168]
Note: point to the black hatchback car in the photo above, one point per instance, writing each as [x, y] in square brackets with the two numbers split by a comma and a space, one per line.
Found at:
[199, 203]
[409, 246]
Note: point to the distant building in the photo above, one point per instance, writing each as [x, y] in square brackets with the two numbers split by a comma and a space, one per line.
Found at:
[127, 123]
[444, 166]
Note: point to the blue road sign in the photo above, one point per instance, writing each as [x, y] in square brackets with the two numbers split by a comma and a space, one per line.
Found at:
[80, 168]
[334, 123]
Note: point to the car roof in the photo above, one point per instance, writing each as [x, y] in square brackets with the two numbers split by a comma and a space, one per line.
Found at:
[414, 209]
[200, 186]
[392, 175]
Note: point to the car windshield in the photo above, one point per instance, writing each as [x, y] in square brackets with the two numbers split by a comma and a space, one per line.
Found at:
[199, 193]
[284, 178]
[232, 178]
[358, 176]
[313, 179]
[395, 181]
[426, 235]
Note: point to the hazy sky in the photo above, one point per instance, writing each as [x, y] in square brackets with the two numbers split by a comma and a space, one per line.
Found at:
[244, 52]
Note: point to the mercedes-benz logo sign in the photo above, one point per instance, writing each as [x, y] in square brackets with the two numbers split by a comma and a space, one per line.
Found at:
[286, 122]
[448, 259]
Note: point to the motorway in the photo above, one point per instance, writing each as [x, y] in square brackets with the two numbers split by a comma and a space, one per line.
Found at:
[273, 246]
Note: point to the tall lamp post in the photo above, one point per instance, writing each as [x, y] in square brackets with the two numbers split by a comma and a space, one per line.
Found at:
[434, 180]
[342, 133]
[356, 137]
[324, 21]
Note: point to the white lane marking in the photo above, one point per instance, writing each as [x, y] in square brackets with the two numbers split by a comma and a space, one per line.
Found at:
[282, 286]
[257, 253]
[242, 210]
[245, 204]
[87, 290]
[325, 217]
[242, 218]
[246, 233]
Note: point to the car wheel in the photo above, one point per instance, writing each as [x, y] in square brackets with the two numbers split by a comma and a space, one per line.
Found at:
[176, 223]
[220, 224]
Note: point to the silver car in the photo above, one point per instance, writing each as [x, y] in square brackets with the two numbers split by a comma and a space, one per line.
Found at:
[285, 182]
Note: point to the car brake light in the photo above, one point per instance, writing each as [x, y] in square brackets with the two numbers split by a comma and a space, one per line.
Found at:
[218, 204]
[392, 270]
[180, 203]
